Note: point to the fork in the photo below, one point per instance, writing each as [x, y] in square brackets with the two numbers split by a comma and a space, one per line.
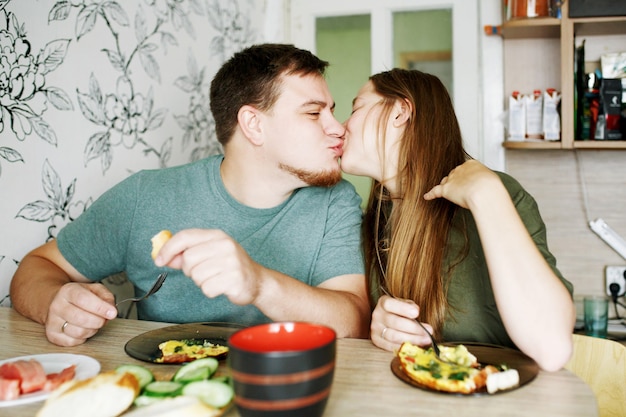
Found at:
[155, 287]
[433, 343]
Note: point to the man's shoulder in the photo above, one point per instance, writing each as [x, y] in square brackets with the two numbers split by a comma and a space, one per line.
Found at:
[344, 186]
[179, 171]
[336, 202]
[343, 190]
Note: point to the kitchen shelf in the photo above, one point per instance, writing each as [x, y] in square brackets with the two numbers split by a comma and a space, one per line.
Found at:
[600, 144]
[592, 26]
[528, 144]
[578, 144]
[539, 54]
[541, 27]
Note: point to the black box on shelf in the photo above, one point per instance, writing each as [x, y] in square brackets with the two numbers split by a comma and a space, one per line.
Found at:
[594, 8]
[611, 102]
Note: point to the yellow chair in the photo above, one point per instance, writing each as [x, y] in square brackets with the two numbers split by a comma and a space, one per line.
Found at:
[601, 363]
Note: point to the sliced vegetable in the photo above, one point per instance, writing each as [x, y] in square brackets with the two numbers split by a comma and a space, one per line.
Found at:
[197, 370]
[198, 374]
[191, 379]
[144, 400]
[181, 406]
[144, 375]
[163, 389]
[225, 379]
[214, 393]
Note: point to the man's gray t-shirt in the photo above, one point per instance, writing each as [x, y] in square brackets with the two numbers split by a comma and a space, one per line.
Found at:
[312, 237]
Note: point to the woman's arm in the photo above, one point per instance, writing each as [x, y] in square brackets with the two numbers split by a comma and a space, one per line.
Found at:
[536, 308]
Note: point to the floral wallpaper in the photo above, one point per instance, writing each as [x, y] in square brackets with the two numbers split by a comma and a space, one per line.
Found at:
[92, 91]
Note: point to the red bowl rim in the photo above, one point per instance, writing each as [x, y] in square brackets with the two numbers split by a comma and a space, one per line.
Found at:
[282, 337]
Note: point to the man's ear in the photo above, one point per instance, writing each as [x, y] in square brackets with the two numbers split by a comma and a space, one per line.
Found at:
[249, 121]
[402, 111]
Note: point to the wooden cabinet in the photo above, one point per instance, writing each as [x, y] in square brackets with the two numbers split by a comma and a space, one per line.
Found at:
[539, 54]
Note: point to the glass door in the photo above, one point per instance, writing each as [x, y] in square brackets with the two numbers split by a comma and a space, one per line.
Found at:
[363, 37]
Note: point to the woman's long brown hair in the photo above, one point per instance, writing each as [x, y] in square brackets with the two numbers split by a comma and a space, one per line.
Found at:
[404, 235]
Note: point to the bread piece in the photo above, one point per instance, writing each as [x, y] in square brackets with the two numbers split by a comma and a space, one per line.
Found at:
[158, 241]
[502, 380]
[183, 405]
[105, 395]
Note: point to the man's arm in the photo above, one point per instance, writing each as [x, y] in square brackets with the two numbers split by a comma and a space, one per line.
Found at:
[340, 302]
[49, 290]
[220, 266]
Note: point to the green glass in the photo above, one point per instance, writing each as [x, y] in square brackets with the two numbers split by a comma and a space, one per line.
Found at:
[596, 316]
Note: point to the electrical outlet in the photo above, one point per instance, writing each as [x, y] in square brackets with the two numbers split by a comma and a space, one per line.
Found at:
[616, 275]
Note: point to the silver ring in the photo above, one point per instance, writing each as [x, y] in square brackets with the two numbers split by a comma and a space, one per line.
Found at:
[63, 327]
[383, 333]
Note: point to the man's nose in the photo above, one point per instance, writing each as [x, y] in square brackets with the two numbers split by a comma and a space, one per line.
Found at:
[336, 129]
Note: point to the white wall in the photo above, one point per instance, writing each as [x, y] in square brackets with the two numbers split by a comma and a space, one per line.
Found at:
[492, 83]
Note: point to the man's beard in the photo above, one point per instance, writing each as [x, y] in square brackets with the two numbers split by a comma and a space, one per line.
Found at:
[315, 179]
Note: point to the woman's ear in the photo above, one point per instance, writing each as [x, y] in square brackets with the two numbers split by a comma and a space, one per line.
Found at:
[249, 121]
[402, 112]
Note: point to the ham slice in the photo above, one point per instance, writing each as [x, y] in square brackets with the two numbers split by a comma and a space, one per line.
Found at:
[30, 373]
[24, 377]
[9, 389]
[54, 380]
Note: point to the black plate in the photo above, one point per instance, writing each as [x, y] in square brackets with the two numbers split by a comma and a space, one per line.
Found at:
[486, 355]
[145, 346]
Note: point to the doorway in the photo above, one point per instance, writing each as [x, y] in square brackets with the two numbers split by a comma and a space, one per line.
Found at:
[363, 37]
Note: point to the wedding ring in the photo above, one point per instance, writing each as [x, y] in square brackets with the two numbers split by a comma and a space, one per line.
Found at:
[63, 327]
[383, 333]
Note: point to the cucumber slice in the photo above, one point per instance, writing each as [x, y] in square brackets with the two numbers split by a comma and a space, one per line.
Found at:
[198, 374]
[144, 375]
[163, 389]
[144, 400]
[197, 370]
[225, 379]
[214, 393]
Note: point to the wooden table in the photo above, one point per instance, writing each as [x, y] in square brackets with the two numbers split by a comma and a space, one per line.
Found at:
[363, 386]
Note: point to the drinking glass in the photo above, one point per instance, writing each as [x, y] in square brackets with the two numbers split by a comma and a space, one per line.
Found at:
[596, 315]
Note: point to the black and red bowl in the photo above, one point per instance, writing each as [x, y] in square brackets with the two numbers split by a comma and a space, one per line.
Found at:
[282, 369]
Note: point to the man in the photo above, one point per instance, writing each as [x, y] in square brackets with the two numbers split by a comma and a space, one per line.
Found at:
[266, 232]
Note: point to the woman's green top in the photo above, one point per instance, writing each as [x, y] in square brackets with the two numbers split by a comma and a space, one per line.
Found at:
[473, 314]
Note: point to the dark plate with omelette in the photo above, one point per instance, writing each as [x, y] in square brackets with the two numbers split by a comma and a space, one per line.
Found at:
[146, 346]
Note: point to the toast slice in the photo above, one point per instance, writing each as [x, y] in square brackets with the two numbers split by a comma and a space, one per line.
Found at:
[107, 394]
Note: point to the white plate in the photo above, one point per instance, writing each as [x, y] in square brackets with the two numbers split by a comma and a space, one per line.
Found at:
[86, 367]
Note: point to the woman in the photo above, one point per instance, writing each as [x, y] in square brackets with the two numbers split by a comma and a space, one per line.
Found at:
[448, 241]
